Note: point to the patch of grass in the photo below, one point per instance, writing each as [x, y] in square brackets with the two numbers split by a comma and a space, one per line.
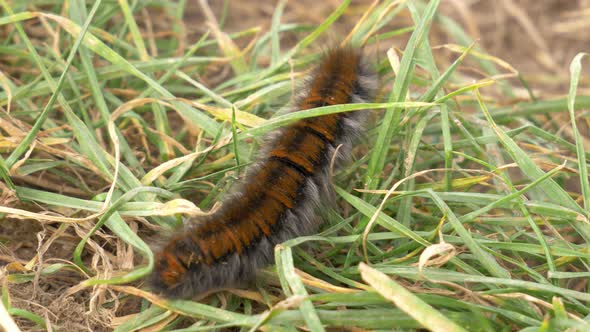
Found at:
[460, 213]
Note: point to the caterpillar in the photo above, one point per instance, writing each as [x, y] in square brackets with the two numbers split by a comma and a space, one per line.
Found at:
[280, 194]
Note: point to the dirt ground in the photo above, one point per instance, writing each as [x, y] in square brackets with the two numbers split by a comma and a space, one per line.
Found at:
[538, 38]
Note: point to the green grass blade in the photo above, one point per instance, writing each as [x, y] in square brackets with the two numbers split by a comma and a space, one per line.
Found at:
[400, 87]
[575, 68]
[286, 268]
[429, 317]
[474, 246]
[135, 34]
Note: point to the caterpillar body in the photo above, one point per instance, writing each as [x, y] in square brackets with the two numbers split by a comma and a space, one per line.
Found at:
[280, 195]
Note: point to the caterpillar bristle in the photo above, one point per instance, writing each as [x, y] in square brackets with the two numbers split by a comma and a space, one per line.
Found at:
[280, 195]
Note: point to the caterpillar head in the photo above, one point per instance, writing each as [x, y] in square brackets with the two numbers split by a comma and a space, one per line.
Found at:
[172, 266]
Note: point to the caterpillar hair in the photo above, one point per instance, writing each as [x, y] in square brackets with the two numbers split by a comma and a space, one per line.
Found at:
[280, 194]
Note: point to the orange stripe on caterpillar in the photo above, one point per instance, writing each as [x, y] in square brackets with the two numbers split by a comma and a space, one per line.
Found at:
[280, 195]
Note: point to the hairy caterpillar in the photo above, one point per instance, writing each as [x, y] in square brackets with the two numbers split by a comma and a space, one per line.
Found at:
[279, 196]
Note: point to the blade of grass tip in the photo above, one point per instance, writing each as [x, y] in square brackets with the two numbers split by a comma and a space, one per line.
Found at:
[412, 305]
[486, 259]
[575, 68]
[294, 282]
[26, 142]
[274, 32]
[390, 123]
[135, 34]
[549, 187]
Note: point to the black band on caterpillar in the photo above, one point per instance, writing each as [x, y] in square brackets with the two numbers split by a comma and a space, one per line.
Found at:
[279, 196]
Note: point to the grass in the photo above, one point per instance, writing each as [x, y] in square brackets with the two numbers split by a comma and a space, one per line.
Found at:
[459, 212]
